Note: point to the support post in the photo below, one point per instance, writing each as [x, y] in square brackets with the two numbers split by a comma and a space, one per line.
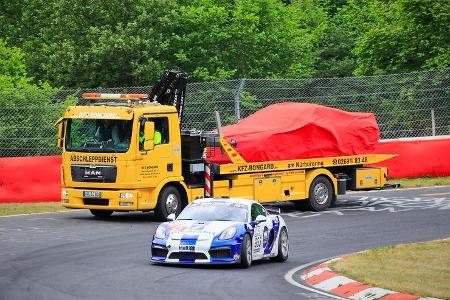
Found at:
[433, 123]
[237, 100]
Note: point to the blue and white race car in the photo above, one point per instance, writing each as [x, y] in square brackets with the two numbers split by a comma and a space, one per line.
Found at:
[221, 231]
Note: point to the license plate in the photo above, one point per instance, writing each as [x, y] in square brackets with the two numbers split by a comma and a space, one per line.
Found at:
[188, 248]
[92, 194]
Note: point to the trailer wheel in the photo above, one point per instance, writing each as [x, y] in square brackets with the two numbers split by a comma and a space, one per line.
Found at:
[320, 194]
[101, 213]
[169, 202]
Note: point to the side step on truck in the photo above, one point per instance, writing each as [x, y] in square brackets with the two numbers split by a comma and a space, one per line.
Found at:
[126, 152]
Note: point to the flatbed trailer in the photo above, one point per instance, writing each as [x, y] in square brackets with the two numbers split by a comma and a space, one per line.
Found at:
[315, 181]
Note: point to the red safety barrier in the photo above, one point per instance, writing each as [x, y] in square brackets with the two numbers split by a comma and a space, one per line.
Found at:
[36, 179]
[417, 157]
[30, 179]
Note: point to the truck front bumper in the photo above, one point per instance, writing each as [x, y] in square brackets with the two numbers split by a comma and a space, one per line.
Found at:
[124, 200]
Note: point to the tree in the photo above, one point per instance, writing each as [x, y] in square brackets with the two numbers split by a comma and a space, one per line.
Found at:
[77, 43]
[28, 110]
[400, 36]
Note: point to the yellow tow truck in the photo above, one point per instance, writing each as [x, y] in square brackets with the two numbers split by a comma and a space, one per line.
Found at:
[126, 152]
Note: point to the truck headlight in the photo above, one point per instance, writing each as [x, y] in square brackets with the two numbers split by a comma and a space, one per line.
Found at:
[124, 203]
[160, 232]
[64, 193]
[65, 201]
[228, 233]
[125, 195]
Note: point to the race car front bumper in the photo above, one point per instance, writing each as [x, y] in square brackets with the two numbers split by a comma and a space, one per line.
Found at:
[195, 251]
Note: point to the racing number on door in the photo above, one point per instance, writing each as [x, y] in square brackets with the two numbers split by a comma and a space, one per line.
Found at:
[257, 239]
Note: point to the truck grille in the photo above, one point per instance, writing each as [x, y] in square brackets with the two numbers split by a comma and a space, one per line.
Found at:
[94, 173]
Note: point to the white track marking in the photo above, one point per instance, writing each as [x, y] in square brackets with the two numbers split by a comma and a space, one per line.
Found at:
[435, 194]
[40, 213]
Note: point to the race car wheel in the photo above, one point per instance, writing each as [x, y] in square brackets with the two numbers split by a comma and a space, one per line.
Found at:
[320, 194]
[169, 202]
[283, 246]
[246, 251]
[101, 213]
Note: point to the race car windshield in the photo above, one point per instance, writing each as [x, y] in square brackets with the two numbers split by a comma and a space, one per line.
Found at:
[215, 212]
[89, 135]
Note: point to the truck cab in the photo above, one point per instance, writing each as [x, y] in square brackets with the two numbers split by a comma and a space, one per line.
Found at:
[122, 157]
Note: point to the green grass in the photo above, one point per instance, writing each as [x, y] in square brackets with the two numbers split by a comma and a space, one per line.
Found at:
[27, 208]
[422, 181]
[421, 269]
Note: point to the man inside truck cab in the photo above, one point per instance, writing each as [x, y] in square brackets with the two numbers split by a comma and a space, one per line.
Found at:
[160, 133]
[108, 130]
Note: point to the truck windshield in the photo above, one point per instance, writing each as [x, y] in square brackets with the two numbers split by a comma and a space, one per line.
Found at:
[89, 135]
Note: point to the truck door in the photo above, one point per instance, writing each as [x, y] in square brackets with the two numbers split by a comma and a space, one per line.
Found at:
[157, 163]
[261, 231]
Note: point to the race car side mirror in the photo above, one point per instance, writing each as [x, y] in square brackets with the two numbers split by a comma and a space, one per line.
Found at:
[260, 219]
[171, 217]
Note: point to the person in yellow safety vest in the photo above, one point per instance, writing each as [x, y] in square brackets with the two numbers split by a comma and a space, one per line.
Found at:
[156, 138]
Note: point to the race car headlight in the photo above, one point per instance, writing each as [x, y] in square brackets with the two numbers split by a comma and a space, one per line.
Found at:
[160, 232]
[228, 233]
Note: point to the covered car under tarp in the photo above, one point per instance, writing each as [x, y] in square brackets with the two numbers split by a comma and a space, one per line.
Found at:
[290, 130]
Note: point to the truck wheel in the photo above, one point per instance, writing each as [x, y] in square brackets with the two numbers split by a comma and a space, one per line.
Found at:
[101, 213]
[283, 246]
[169, 202]
[320, 194]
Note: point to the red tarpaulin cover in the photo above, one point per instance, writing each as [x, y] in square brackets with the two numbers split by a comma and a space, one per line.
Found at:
[301, 130]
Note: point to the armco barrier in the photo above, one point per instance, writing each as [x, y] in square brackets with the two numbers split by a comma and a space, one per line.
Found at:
[30, 179]
[417, 156]
[35, 179]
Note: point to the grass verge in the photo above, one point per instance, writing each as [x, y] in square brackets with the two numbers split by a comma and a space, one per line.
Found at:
[27, 208]
[422, 181]
[421, 269]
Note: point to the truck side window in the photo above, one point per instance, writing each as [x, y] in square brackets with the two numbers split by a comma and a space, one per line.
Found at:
[161, 135]
[257, 210]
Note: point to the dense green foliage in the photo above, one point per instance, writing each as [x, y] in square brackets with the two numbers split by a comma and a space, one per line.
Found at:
[79, 43]
[21, 100]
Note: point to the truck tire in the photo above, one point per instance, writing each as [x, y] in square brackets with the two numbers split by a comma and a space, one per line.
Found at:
[169, 202]
[101, 213]
[320, 194]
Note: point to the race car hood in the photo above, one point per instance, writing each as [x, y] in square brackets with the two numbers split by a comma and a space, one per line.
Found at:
[197, 229]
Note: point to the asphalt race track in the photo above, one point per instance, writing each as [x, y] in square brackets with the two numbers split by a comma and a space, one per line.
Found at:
[73, 255]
